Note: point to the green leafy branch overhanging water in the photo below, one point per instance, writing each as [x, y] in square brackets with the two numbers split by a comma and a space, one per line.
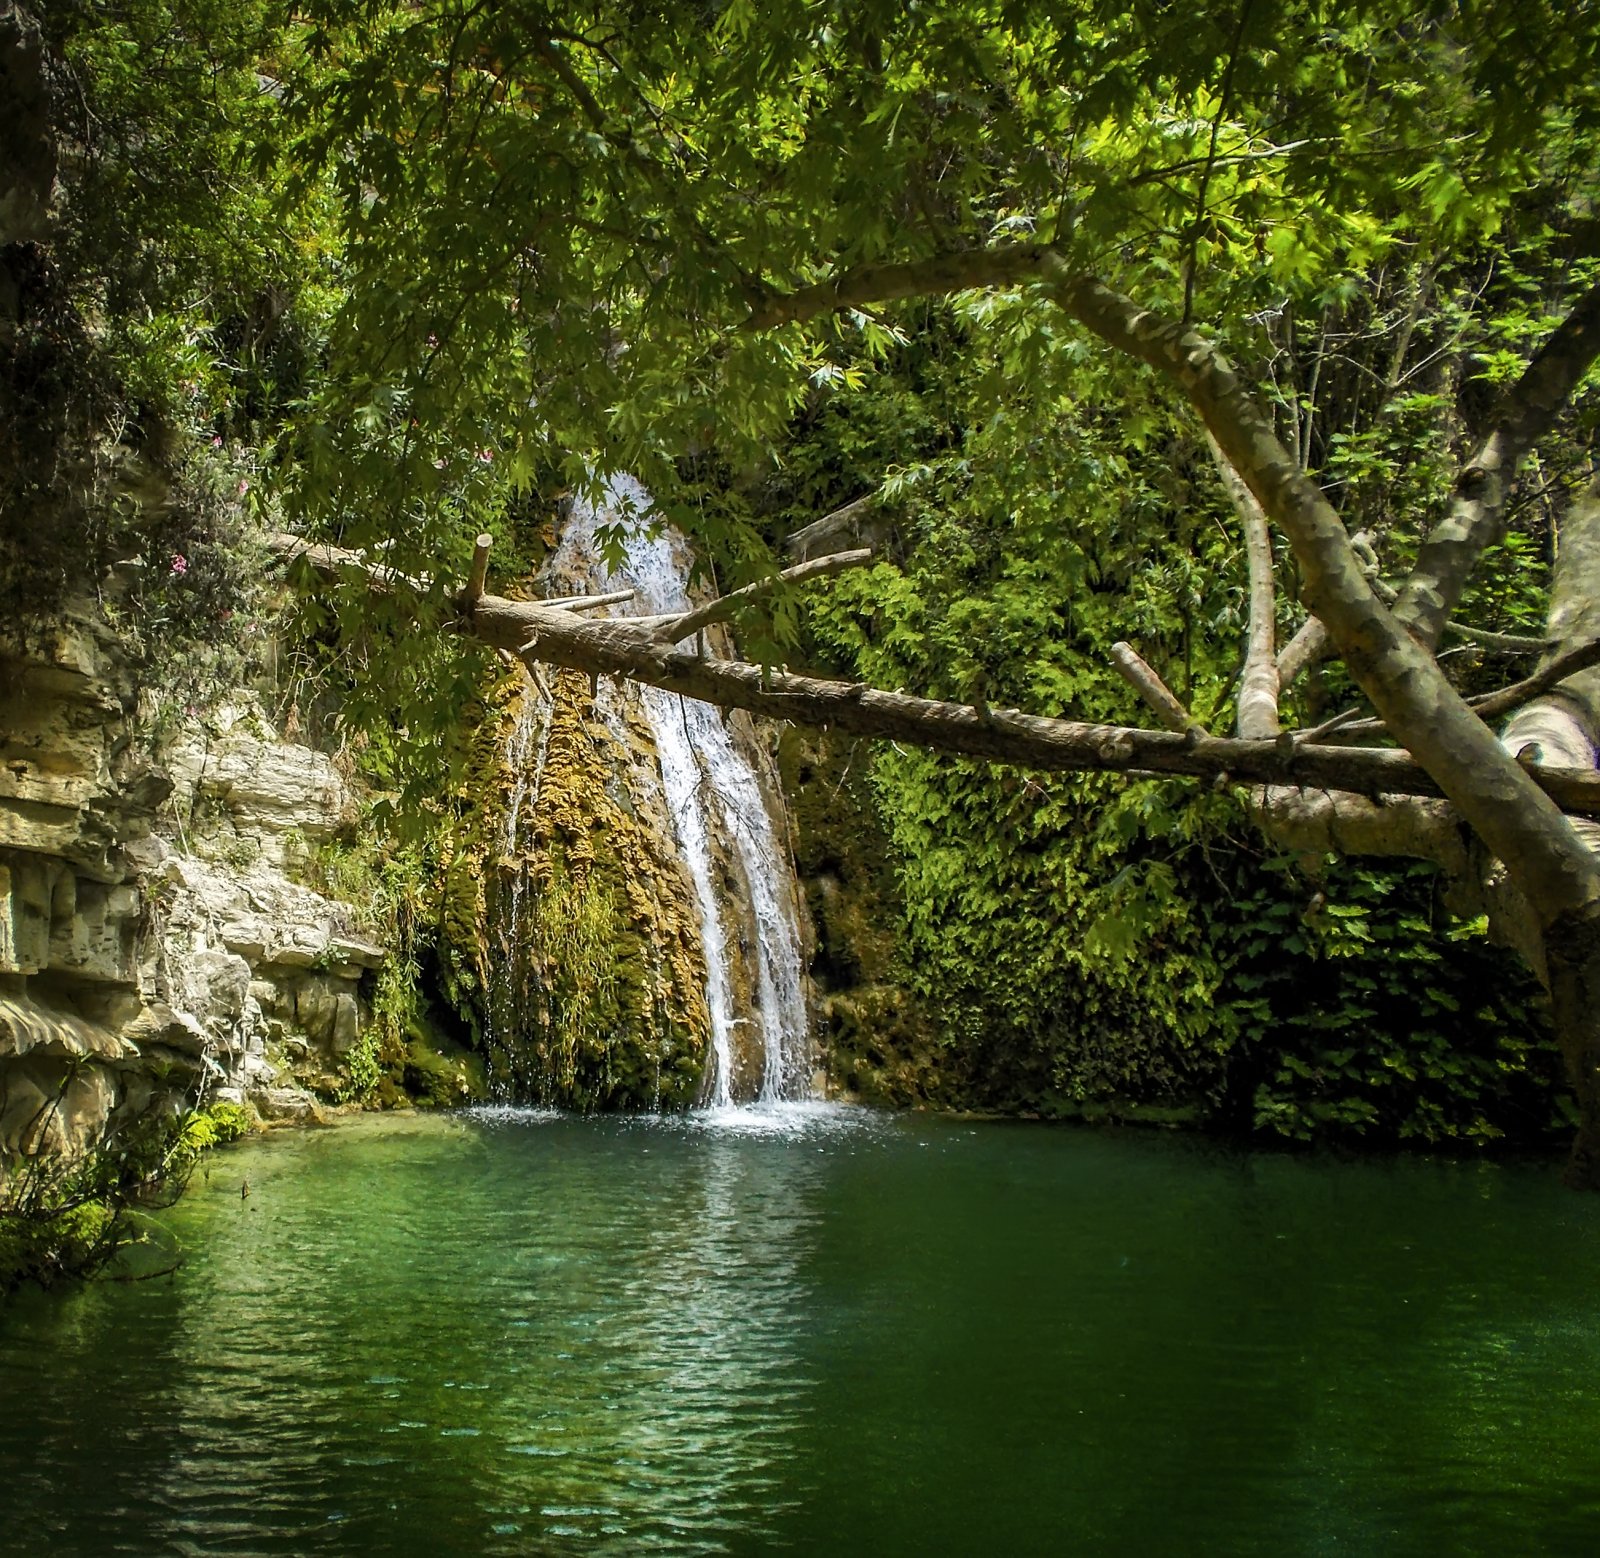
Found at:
[1092, 943]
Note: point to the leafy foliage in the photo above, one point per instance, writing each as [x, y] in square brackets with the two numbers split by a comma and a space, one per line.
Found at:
[395, 887]
[1088, 941]
[1351, 199]
[69, 1219]
[148, 353]
[491, 252]
[1371, 1010]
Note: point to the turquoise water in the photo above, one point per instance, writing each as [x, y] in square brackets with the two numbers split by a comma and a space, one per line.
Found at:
[821, 1331]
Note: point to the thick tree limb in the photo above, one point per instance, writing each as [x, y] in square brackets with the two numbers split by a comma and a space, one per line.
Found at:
[1304, 650]
[1517, 822]
[850, 523]
[1477, 508]
[630, 648]
[1558, 709]
[1257, 717]
[1320, 822]
[1002, 265]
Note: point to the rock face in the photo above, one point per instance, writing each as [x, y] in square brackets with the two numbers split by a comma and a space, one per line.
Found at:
[880, 1043]
[592, 969]
[153, 944]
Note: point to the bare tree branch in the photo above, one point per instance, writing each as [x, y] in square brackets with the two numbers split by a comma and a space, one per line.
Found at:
[1487, 706]
[1304, 650]
[1160, 698]
[1258, 683]
[673, 630]
[846, 523]
[629, 647]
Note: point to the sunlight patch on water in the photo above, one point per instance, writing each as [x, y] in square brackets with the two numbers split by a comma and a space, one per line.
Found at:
[782, 1118]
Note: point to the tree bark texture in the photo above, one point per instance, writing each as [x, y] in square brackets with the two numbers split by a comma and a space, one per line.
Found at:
[1477, 511]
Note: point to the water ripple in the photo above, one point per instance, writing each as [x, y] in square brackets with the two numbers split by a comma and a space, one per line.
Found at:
[812, 1327]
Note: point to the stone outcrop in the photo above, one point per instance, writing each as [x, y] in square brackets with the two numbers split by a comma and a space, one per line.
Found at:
[154, 946]
[879, 1043]
[593, 973]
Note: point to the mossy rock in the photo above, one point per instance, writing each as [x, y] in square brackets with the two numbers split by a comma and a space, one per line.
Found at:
[576, 945]
[439, 1074]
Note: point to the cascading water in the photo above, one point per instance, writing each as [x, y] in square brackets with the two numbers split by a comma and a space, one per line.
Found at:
[715, 800]
[525, 758]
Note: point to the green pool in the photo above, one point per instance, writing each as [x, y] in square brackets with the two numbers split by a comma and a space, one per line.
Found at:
[823, 1331]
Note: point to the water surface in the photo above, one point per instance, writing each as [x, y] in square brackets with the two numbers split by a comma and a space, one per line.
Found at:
[819, 1331]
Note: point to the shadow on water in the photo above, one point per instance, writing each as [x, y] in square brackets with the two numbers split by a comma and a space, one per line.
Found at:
[820, 1329]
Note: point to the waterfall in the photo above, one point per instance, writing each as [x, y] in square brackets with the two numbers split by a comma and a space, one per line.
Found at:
[525, 758]
[714, 797]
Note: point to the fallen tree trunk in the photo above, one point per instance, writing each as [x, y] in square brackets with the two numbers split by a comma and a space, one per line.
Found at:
[629, 648]
[643, 649]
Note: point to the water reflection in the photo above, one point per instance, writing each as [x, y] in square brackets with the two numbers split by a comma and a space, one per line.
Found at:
[514, 1332]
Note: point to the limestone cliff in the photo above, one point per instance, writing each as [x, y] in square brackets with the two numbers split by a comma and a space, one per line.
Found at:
[154, 947]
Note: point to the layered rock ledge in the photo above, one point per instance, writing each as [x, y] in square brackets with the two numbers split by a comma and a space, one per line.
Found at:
[155, 947]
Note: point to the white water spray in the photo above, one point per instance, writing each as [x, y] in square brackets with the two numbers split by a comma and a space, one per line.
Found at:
[525, 759]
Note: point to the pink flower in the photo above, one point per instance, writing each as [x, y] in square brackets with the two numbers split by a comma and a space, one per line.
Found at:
[216, 443]
[433, 340]
[485, 456]
[180, 564]
[244, 486]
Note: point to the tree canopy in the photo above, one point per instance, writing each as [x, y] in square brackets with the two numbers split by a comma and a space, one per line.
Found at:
[1252, 304]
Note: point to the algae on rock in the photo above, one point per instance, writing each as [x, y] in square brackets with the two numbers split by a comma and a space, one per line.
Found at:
[588, 955]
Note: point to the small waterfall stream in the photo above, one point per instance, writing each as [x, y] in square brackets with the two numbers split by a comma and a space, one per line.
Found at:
[525, 757]
[719, 816]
